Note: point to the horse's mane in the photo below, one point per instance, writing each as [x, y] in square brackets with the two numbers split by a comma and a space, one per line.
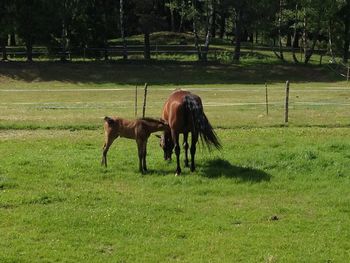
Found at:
[157, 121]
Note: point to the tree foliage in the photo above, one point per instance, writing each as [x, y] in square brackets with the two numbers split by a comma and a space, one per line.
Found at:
[69, 24]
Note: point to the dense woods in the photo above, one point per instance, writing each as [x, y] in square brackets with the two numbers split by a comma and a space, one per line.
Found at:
[283, 25]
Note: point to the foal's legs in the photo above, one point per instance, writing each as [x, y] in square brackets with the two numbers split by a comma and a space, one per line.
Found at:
[108, 143]
[141, 147]
[193, 149]
[175, 137]
[186, 148]
[144, 156]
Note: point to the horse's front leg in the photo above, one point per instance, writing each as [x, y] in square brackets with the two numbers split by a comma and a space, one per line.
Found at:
[193, 149]
[175, 137]
[186, 148]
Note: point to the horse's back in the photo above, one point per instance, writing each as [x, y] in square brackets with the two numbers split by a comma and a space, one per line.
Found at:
[174, 110]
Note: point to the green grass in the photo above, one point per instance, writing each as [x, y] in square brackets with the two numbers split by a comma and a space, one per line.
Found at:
[58, 204]
[273, 194]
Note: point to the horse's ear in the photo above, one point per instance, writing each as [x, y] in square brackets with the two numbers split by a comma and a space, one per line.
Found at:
[158, 136]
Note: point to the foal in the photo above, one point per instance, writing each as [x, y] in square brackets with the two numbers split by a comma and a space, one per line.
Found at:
[139, 130]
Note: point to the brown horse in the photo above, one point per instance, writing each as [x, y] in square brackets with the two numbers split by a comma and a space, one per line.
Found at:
[183, 111]
[138, 130]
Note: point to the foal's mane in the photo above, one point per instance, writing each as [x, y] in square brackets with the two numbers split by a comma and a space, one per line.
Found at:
[157, 121]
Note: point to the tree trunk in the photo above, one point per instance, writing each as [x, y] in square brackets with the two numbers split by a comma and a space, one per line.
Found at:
[64, 41]
[213, 19]
[346, 39]
[304, 35]
[64, 31]
[196, 38]
[280, 55]
[106, 55]
[289, 39]
[29, 49]
[295, 37]
[209, 29]
[122, 30]
[244, 36]
[147, 51]
[310, 52]
[222, 25]
[3, 49]
[296, 40]
[172, 17]
[330, 39]
[238, 34]
[182, 14]
[12, 39]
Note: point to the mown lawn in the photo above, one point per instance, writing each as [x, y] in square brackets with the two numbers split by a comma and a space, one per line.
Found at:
[271, 195]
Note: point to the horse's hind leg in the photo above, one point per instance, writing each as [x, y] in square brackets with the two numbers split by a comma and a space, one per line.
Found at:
[193, 149]
[106, 146]
[186, 148]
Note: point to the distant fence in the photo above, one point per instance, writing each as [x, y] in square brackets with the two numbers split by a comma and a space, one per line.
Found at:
[118, 51]
[110, 51]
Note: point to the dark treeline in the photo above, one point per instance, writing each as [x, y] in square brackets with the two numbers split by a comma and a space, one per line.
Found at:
[62, 25]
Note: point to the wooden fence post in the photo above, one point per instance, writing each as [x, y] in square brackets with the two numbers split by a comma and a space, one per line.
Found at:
[136, 101]
[348, 74]
[287, 103]
[144, 101]
[266, 100]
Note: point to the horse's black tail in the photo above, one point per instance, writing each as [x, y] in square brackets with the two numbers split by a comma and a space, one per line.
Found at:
[201, 123]
[109, 120]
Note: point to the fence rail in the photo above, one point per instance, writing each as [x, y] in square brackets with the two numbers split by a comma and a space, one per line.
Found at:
[110, 51]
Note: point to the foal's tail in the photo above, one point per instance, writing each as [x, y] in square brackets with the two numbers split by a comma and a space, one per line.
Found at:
[201, 123]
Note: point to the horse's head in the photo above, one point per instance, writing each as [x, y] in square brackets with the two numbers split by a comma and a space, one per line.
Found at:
[167, 144]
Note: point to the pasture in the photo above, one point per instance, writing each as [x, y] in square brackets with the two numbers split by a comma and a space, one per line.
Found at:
[273, 194]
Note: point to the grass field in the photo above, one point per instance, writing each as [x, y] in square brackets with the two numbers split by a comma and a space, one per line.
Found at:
[273, 194]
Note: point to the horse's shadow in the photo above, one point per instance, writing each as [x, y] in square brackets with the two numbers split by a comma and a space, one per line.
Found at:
[222, 168]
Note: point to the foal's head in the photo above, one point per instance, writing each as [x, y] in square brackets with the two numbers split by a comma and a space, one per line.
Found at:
[167, 145]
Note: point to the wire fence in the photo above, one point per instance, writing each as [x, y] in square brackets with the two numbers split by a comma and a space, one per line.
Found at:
[225, 107]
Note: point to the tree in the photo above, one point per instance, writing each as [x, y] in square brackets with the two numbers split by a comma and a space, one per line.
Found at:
[34, 25]
[149, 21]
[6, 24]
[122, 28]
[344, 15]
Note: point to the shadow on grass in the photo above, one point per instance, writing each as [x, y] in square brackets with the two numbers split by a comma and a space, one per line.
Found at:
[222, 168]
[164, 72]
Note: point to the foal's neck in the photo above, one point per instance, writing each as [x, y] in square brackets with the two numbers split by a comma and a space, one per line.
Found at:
[154, 127]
